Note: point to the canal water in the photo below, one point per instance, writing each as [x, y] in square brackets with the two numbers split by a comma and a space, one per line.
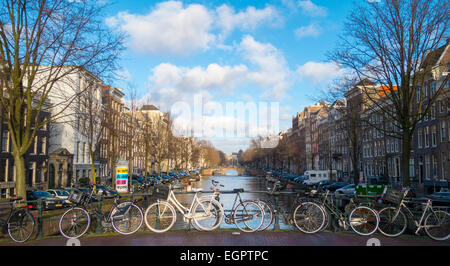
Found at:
[254, 188]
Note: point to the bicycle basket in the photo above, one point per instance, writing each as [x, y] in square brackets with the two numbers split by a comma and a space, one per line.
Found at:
[75, 196]
[393, 196]
[161, 192]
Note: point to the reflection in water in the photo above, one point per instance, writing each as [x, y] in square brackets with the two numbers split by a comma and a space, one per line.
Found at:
[249, 184]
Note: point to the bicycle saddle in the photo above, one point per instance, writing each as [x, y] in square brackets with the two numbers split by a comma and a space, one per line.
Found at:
[238, 190]
[14, 198]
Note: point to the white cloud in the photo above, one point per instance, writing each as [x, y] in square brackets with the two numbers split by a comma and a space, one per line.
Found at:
[169, 28]
[319, 71]
[250, 19]
[123, 74]
[312, 30]
[170, 83]
[311, 9]
[272, 72]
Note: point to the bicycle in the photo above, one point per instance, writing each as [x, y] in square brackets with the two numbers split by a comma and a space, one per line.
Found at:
[206, 212]
[125, 218]
[393, 221]
[20, 222]
[362, 219]
[307, 216]
[247, 215]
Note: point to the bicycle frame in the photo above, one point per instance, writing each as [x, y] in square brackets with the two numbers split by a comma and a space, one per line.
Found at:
[187, 212]
[417, 223]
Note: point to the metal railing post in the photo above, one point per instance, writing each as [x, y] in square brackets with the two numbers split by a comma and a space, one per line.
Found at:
[276, 225]
[39, 218]
[99, 219]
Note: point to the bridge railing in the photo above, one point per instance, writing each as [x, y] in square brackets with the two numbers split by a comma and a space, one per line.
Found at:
[47, 220]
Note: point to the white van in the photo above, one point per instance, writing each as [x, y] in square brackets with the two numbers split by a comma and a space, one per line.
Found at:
[315, 176]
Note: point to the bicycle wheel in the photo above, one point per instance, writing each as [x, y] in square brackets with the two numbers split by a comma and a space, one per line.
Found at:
[126, 218]
[363, 220]
[248, 216]
[74, 222]
[393, 222]
[327, 223]
[208, 214]
[309, 217]
[268, 214]
[20, 225]
[437, 225]
[160, 217]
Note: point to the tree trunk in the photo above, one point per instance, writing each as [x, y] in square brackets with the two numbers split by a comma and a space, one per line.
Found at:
[94, 174]
[406, 154]
[20, 170]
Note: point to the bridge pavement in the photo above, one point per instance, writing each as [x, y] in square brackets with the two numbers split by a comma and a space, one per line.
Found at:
[234, 238]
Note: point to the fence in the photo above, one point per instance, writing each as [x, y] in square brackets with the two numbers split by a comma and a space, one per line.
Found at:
[47, 221]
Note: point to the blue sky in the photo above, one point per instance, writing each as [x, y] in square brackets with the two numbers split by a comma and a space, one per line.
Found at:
[228, 52]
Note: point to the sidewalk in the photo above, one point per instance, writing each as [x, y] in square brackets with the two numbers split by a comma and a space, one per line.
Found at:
[234, 238]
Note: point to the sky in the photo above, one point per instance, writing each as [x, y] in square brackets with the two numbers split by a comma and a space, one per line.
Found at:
[206, 61]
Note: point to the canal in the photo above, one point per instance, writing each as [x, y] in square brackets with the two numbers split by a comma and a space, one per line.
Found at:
[254, 188]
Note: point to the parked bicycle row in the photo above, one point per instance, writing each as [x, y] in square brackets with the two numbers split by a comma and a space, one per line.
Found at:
[312, 211]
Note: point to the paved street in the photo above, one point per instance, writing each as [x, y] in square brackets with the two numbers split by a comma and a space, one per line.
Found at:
[230, 238]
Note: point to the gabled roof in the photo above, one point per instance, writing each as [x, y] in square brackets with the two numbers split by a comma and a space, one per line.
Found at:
[149, 107]
[432, 58]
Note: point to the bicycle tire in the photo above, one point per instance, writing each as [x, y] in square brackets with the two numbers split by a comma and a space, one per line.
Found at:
[444, 225]
[327, 223]
[81, 220]
[248, 210]
[160, 216]
[208, 214]
[20, 225]
[363, 217]
[268, 214]
[309, 217]
[132, 219]
[392, 224]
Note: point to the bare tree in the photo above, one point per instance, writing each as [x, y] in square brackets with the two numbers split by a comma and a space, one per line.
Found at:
[387, 43]
[41, 43]
[90, 121]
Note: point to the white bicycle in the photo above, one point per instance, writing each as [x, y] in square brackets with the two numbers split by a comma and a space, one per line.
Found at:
[206, 212]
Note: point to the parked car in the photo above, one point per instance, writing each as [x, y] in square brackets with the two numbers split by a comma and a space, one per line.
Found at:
[320, 184]
[335, 185]
[49, 202]
[60, 194]
[440, 199]
[348, 190]
[106, 191]
[88, 191]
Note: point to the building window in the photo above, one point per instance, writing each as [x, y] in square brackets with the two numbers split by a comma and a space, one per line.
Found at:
[5, 141]
[444, 165]
[427, 166]
[427, 139]
[3, 169]
[443, 131]
[435, 166]
[434, 136]
[78, 152]
[44, 145]
[420, 138]
[35, 151]
[411, 167]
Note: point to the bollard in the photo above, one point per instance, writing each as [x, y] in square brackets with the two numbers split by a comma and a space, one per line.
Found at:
[39, 218]
[276, 225]
[99, 218]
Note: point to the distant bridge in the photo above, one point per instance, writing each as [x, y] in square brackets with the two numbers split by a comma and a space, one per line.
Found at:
[223, 171]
